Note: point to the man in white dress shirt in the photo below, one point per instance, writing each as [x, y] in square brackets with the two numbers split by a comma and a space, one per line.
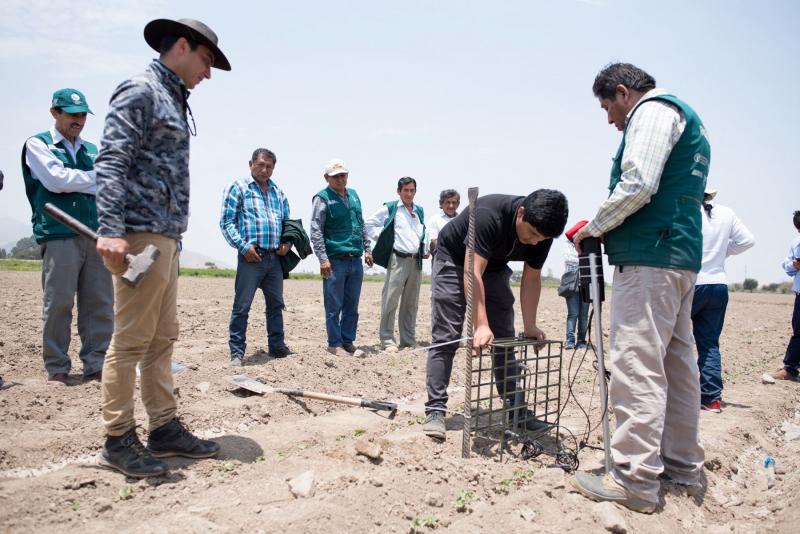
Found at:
[399, 248]
[58, 167]
[449, 200]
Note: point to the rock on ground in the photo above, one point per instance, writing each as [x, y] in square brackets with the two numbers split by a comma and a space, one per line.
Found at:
[608, 515]
[303, 485]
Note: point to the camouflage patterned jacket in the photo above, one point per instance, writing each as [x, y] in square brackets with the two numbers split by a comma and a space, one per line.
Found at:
[143, 164]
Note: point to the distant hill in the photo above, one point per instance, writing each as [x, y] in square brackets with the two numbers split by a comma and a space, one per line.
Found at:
[190, 258]
[11, 231]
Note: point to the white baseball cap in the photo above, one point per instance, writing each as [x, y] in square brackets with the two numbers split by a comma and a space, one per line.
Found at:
[334, 167]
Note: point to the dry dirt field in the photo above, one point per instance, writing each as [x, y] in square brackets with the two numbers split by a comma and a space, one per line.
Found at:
[49, 437]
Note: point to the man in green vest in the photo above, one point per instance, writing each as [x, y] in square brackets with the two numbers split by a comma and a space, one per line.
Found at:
[58, 167]
[651, 227]
[338, 237]
[399, 248]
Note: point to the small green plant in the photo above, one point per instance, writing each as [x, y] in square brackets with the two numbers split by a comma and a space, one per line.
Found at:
[422, 522]
[463, 500]
[504, 486]
[358, 432]
[260, 459]
[523, 475]
[75, 505]
[125, 492]
[229, 466]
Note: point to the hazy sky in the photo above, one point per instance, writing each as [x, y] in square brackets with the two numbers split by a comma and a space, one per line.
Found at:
[454, 93]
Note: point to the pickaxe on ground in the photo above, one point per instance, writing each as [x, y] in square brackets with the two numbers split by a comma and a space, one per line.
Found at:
[137, 264]
[250, 384]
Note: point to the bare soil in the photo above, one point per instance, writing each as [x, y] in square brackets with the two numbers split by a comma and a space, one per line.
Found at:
[49, 437]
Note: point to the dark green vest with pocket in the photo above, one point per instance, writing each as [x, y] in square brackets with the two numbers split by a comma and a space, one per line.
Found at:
[80, 205]
[382, 251]
[343, 226]
[667, 231]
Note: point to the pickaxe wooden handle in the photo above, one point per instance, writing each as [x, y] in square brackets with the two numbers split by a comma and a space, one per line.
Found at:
[137, 265]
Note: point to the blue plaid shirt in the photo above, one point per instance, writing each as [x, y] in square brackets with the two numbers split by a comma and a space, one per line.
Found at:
[251, 216]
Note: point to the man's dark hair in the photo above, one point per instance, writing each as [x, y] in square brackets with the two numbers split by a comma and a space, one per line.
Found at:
[547, 211]
[168, 41]
[796, 219]
[614, 74]
[447, 193]
[404, 181]
[264, 153]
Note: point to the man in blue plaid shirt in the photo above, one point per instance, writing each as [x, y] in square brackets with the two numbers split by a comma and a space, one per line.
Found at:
[253, 211]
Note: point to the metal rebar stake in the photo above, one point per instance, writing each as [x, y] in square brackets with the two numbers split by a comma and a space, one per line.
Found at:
[466, 444]
[601, 365]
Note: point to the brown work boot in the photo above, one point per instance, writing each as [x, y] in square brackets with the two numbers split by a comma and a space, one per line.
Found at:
[93, 376]
[783, 374]
[58, 380]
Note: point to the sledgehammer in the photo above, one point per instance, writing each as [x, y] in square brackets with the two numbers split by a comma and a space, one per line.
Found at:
[137, 264]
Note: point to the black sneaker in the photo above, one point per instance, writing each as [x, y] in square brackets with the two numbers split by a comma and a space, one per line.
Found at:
[529, 422]
[281, 352]
[127, 455]
[174, 439]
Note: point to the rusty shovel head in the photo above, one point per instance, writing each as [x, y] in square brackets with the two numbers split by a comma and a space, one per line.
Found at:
[139, 264]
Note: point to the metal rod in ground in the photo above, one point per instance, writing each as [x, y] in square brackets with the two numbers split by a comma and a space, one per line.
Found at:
[601, 365]
[466, 444]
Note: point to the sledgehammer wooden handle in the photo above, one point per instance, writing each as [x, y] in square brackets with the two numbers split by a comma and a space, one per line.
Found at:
[70, 221]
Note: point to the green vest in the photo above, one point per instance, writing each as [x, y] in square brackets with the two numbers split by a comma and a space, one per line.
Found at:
[80, 205]
[666, 232]
[343, 225]
[382, 251]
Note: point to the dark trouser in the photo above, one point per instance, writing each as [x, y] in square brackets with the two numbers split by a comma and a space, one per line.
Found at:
[448, 306]
[708, 316]
[69, 267]
[577, 314]
[342, 291]
[791, 362]
[267, 275]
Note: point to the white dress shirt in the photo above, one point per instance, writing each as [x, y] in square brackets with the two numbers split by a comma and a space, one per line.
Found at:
[436, 224]
[723, 235]
[50, 171]
[408, 229]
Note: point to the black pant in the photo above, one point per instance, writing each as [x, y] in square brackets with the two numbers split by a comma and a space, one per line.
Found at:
[791, 362]
[448, 306]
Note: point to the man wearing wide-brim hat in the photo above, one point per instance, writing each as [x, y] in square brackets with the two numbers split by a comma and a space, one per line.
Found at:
[143, 198]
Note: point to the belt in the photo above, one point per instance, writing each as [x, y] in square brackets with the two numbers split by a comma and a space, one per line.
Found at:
[343, 256]
[405, 254]
[261, 250]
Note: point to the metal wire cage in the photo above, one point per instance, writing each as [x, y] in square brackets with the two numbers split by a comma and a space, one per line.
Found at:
[515, 391]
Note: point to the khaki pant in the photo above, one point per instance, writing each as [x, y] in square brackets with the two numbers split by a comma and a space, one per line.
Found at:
[145, 329]
[400, 289]
[655, 382]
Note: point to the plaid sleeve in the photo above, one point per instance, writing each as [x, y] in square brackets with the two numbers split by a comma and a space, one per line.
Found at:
[231, 201]
[651, 135]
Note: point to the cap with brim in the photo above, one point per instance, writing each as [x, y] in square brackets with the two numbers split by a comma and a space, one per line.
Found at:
[189, 28]
[71, 101]
[710, 193]
[335, 167]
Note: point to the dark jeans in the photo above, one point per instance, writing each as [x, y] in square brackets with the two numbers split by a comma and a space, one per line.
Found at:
[267, 275]
[448, 307]
[577, 314]
[342, 292]
[708, 316]
[791, 362]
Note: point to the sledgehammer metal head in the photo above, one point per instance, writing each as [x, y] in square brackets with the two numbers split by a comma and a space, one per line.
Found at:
[139, 264]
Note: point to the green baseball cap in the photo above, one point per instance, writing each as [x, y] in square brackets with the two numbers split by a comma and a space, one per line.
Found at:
[71, 101]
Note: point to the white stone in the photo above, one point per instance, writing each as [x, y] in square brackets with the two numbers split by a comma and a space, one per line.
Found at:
[303, 485]
[609, 516]
[527, 514]
[369, 449]
[202, 387]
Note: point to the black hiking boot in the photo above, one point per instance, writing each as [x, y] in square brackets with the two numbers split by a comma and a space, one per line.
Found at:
[127, 455]
[174, 439]
[526, 421]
